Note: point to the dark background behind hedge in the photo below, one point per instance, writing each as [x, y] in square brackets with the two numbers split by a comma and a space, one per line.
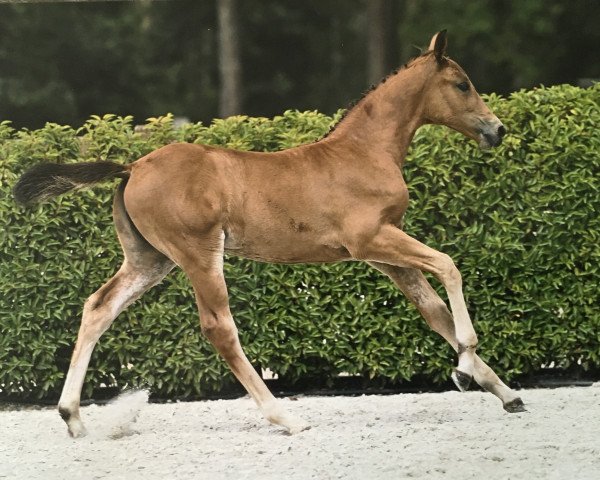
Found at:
[63, 61]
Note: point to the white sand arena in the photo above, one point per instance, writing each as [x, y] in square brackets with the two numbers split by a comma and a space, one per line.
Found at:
[428, 436]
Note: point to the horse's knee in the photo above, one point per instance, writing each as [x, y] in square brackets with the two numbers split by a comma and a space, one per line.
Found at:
[217, 326]
[220, 330]
[448, 273]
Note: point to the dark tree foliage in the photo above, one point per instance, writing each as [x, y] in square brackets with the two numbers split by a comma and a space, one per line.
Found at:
[62, 62]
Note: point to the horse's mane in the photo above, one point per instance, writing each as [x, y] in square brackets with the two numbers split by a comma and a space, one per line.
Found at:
[371, 89]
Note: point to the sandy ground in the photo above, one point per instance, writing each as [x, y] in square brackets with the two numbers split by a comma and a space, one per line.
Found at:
[432, 435]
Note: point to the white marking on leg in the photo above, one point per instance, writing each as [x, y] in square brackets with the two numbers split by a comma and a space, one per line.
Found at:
[276, 414]
[96, 320]
[465, 334]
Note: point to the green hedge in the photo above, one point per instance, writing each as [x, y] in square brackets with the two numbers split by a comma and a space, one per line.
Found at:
[521, 222]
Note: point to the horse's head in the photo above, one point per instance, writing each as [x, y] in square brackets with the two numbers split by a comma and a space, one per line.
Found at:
[451, 99]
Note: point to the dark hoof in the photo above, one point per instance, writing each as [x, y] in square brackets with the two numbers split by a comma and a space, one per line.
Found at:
[461, 380]
[515, 406]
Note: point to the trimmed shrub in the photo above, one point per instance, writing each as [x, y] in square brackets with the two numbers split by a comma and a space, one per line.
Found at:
[521, 222]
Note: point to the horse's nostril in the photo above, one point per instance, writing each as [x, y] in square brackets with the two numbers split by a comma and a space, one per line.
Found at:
[501, 131]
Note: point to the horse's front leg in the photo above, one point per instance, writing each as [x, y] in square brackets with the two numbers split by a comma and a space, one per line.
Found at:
[417, 289]
[392, 246]
[205, 270]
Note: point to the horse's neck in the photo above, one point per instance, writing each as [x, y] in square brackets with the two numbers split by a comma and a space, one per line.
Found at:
[384, 122]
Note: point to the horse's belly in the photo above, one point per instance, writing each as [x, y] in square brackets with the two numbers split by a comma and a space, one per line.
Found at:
[286, 249]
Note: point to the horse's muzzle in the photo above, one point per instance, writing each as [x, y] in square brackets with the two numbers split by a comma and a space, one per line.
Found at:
[491, 137]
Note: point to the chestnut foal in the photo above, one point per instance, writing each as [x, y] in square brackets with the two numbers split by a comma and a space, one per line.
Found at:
[341, 198]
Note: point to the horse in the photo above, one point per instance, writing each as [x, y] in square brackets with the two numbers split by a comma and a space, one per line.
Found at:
[341, 198]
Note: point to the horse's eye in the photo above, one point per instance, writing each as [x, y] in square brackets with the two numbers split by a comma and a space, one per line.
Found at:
[463, 86]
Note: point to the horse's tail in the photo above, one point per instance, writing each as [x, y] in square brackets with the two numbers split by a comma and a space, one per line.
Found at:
[48, 180]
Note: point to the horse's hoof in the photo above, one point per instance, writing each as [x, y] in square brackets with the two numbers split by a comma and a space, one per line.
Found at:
[76, 428]
[515, 406]
[461, 380]
[298, 428]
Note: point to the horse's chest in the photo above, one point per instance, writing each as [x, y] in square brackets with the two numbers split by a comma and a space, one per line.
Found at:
[386, 199]
[393, 206]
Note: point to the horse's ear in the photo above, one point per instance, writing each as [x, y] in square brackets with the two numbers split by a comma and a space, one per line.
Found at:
[438, 45]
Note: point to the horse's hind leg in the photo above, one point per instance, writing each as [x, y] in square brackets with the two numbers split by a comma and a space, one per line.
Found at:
[205, 271]
[99, 311]
[143, 267]
[418, 290]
